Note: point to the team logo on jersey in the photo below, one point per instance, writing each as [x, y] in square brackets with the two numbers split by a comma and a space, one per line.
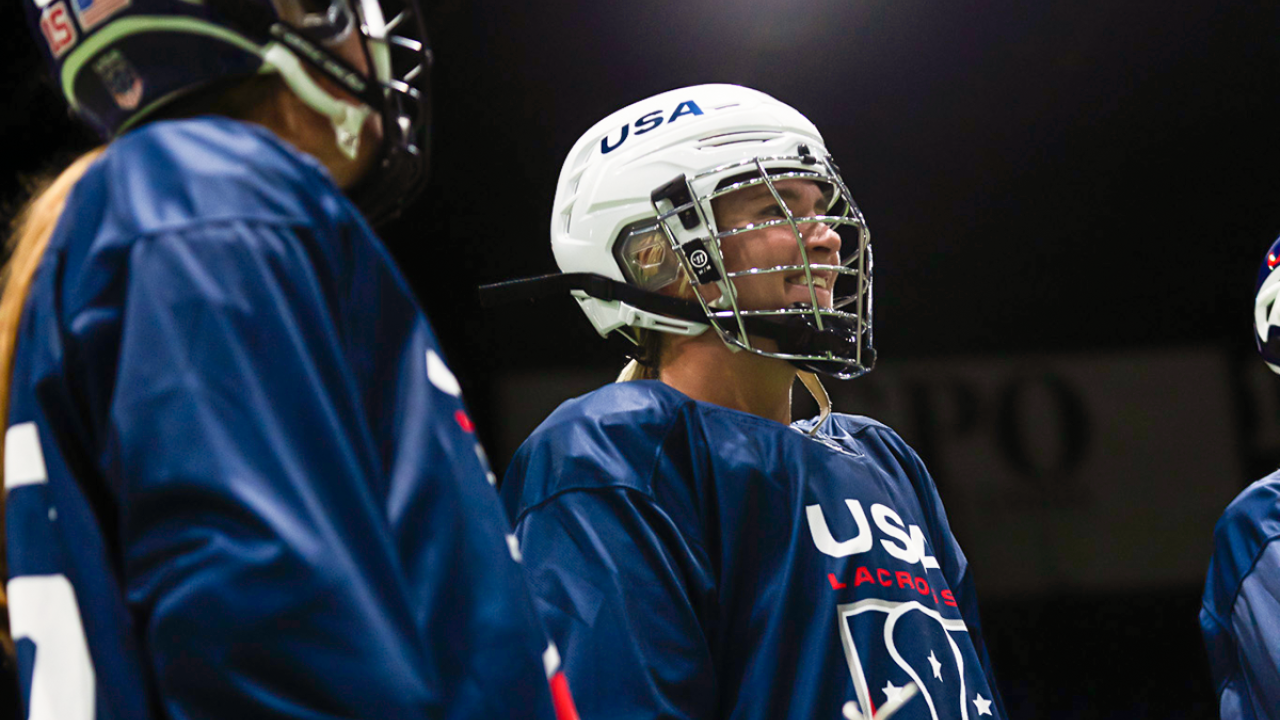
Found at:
[92, 12]
[120, 79]
[904, 542]
[891, 645]
[58, 29]
[648, 122]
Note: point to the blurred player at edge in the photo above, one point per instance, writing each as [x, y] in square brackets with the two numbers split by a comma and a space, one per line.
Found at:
[240, 479]
[696, 554]
[1240, 614]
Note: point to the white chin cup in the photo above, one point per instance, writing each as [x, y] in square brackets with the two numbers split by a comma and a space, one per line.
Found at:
[348, 118]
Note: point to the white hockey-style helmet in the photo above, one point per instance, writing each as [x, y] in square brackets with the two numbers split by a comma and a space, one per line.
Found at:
[633, 219]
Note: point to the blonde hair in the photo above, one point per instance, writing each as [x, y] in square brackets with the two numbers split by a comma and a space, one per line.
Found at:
[644, 365]
[27, 242]
[30, 237]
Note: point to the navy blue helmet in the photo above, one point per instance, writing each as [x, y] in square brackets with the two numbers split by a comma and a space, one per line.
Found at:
[118, 62]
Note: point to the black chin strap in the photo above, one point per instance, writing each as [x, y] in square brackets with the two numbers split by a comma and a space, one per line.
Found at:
[597, 286]
[791, 333]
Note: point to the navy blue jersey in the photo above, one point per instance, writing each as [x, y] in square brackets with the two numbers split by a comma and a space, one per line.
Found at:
[241, 480]
[1240, 616]
[693, 561]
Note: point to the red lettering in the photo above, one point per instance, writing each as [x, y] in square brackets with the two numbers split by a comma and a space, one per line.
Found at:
[863, 575]
[922, 587]
[904, 579]
[58, 30]
[836, 584]
[884, 576]
[948, 598]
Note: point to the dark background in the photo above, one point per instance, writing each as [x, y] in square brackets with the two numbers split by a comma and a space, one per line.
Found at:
[1039, 177]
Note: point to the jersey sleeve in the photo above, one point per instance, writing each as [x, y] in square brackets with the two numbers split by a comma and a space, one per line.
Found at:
[624, 595]
[600, 497]
[248, 494]
[1245, 647]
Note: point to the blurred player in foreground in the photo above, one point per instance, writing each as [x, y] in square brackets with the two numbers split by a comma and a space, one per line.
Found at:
[695, 553]
[240, 479]
[1240, 615]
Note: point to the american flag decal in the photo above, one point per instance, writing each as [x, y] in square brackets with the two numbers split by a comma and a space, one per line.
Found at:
[92, 12]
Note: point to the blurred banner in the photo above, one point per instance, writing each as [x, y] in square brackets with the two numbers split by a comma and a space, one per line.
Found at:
[1073, 473]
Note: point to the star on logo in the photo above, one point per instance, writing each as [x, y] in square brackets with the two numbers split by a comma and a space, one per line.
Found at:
[983, 705]
[937, 666]
[895, 696]
[891, 691]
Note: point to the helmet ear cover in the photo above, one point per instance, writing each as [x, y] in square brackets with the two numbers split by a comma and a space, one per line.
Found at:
[642, 253]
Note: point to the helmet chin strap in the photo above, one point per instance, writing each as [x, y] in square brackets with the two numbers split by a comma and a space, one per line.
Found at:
[348, 119]
[819, 393]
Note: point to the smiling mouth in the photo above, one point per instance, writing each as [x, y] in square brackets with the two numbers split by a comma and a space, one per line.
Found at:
[819, 281]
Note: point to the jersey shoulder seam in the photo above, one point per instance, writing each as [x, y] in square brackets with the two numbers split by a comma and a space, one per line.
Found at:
[1239, 585]
[647, 492]
[148, 237]
[275, 221]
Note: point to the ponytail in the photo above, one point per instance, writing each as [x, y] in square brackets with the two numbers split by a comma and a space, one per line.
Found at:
[634, 370]
[646, 357]
[26, 245]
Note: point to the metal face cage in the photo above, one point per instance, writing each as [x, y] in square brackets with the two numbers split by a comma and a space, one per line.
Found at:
[400, 55]
[835, 339]
[398, 58]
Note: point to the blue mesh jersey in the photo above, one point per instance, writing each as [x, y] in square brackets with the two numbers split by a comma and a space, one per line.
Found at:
[241, 480]
[693, 561]
[1240, 616]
